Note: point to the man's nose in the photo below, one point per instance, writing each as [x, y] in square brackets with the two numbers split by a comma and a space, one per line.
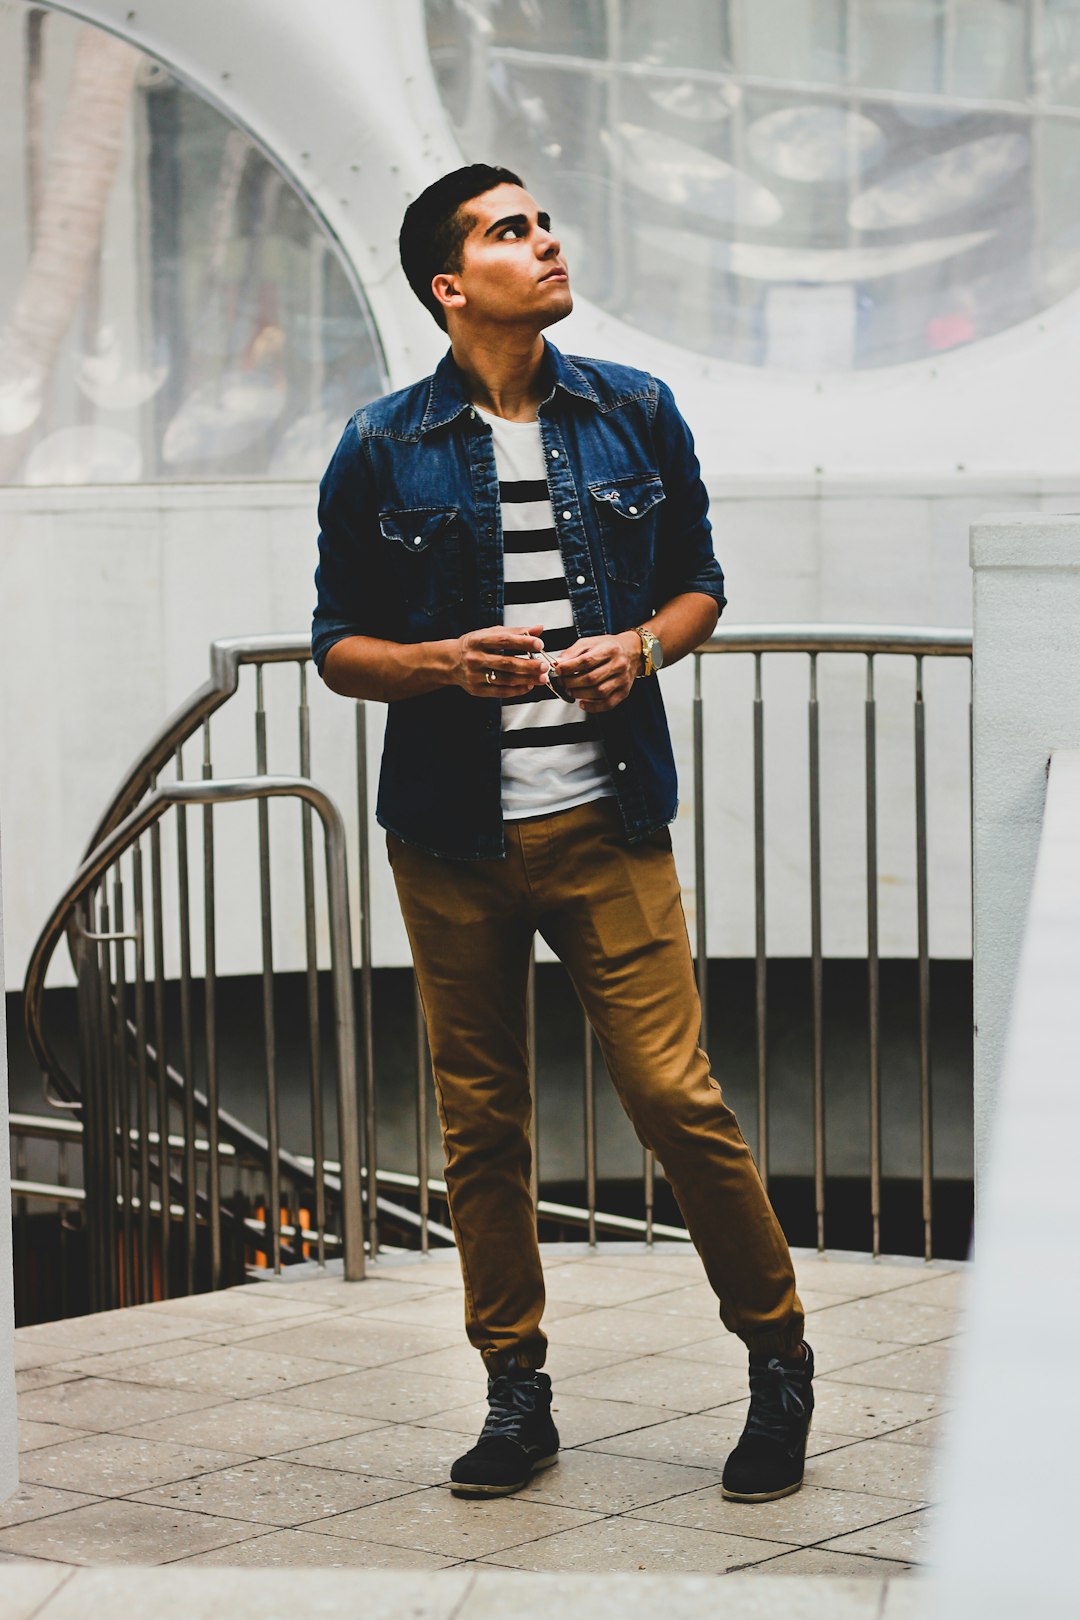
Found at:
[549, 245]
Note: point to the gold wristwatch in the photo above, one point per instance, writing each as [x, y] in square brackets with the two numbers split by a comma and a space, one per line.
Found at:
[652, 652]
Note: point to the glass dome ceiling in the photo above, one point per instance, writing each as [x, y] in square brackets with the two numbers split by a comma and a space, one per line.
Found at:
[170, 306]
[801, 184]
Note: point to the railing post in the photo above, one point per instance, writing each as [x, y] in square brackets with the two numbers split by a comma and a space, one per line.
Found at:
[700, 903]
[364, 877]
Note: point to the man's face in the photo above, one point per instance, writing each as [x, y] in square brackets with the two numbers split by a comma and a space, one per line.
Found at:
[512, 268]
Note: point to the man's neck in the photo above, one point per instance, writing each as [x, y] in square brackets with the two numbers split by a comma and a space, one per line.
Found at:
[502, 373]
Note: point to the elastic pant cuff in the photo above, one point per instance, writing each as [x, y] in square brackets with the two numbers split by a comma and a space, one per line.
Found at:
[778, 1342]
[503, 1361]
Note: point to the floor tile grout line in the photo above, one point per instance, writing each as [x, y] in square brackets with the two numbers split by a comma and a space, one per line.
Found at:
[45, 1602]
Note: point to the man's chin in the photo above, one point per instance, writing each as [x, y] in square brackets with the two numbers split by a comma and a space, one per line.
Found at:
[558, 310]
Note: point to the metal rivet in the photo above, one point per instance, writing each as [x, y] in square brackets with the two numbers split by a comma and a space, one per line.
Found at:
[418, 541]
[566, 515]
[554, 455]
[622, 764]
[581, 579]
[633, 511]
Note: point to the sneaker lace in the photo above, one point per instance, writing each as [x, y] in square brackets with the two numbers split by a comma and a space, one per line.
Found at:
[775, 1400]
[510, 1400]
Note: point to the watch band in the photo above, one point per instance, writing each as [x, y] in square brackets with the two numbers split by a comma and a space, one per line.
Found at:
[647, 639]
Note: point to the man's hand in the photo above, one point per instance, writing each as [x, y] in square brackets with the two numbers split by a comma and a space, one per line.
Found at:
[503, 653]
[600, 670]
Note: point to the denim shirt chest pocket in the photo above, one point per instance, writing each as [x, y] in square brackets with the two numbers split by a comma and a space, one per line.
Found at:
[423, 547]
[628, 513]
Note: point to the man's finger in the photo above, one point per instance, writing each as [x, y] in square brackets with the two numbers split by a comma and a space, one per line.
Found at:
[499, 637]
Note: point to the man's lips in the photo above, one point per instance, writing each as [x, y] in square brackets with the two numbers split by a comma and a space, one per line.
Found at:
[555, 275]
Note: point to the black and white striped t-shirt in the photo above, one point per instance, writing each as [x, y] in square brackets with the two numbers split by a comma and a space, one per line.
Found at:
[551, 758]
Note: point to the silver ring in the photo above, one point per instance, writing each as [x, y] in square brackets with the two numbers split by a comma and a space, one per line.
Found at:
[491, 677]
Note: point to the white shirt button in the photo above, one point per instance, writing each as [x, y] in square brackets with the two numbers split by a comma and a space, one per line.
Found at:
[633, 511]
[472, 416]
[566, 516]
[581, 579]
[418, 541]
[554, 455]
[622, 764]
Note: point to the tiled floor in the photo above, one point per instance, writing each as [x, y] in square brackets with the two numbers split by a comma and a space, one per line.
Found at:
[311, 1423]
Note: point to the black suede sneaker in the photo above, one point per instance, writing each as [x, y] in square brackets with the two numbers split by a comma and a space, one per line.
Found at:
[518, 1437]
[769, 1459]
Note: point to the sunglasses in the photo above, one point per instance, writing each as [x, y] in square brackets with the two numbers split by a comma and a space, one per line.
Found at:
[554, 680]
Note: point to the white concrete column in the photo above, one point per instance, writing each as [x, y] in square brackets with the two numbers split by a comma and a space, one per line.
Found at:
[1027, 703]
[9, 1451]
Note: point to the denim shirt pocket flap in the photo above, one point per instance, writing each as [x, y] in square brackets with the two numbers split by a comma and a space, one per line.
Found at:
[416, 529]
[627, 511]
[630, 498]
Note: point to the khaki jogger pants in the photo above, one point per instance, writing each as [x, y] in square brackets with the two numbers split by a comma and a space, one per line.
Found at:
[612, 912]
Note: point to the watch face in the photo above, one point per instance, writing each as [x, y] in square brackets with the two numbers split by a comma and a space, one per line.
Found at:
[657, 653]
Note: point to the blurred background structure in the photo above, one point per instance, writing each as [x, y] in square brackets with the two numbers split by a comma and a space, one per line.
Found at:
[842, 231]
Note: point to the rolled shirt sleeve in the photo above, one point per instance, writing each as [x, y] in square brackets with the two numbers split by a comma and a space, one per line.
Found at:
[686, 560]
[350, 589]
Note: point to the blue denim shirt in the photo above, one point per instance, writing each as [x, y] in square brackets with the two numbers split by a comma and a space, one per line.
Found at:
[411, 550]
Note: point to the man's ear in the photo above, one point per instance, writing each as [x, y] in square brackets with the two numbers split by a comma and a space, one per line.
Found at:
[447, 292]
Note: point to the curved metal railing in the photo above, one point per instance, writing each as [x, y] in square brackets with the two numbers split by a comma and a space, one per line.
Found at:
[107, 1133]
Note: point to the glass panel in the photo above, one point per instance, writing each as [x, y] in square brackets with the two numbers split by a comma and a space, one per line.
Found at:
[169, 307]
[800, 40]
[807, 184]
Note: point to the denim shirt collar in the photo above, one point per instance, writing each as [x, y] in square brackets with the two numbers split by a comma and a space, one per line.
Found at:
[447, 397]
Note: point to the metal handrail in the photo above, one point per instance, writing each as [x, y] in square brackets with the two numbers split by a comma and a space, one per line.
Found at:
[122, 837]
[226, 657]
[228, 654]
[846, 638]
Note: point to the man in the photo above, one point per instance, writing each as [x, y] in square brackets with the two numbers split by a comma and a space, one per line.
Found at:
[510, 550]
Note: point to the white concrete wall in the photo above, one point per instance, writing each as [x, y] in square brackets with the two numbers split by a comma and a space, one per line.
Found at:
[9, 1450]
[1006, 1534]
[1027, 702]
[141, 580]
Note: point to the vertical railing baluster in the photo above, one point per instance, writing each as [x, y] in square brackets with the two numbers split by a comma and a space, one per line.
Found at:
[161, 1063]
[93, 1150]
[872, 962]
[108, 1099]
[273, 1196]
[63, 1180]
[21, 1238]
[210, 1023]
[817, 985]
[142, 1078]
[590, 1132]
[422, 1168]
[368, 1051]
[318, 1145]
[922, 894]
[534, 1115]
[700, 903]
[123, 1095]
[187, 1040]
[760, 960]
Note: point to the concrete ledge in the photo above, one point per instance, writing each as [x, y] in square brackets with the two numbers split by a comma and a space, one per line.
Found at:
[1026, 540]
[52, 1592]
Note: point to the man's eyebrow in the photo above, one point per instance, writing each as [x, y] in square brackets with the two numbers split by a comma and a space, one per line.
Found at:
[543, 220]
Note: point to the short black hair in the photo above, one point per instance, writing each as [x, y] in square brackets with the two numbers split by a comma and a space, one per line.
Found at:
[435, 227]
